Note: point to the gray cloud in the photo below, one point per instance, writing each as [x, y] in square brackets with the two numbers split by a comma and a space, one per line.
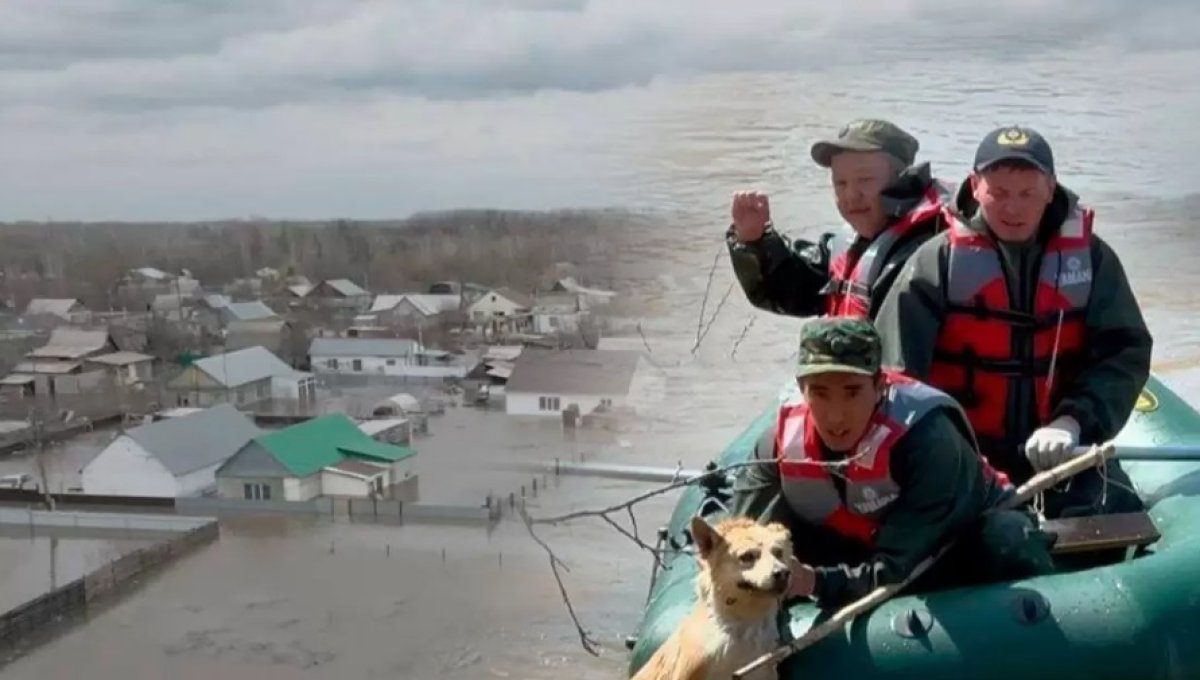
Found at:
[178, 108]
[139, 54]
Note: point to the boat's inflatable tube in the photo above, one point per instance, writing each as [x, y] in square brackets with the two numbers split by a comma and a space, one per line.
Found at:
[1136, 619]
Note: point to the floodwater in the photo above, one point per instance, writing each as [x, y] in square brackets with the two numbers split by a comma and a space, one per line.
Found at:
[63, 460]
[276, 600]
[287, 598]
[33, 565]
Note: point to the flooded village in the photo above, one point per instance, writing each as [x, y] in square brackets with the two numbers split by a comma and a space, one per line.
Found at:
[290, 419]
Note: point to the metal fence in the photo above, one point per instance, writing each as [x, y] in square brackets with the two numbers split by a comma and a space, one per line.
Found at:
[37, 619]
[353, 509]
[62, 519]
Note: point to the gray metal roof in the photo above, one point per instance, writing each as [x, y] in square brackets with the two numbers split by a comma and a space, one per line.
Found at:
[198, 440]
[250, 311]
[252, 364]
[573, 372]
[252, 460]
[362, 347]
[58, 306]
[121, 358]
[71, 343]
[346, 287]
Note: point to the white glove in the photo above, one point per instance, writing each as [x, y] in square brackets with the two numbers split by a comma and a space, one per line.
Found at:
[1052, 444]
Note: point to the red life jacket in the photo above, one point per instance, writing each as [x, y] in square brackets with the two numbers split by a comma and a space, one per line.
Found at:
[869, 488]
[973, 356]
[852, 276]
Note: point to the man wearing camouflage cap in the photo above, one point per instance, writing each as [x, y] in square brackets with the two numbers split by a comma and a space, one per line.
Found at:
[890, 204]
[873, 472]
[1027, 318]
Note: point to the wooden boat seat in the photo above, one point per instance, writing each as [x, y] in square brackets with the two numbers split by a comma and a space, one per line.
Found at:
[1101, 532]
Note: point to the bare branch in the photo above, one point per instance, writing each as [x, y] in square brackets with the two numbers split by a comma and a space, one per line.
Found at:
[644, 340]
[650, 494]
[588, 643]
[712, 319]
[704, 301]
[738, 343]
[633, 537]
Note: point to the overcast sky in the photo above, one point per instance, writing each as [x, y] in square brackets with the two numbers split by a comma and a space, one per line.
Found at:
[314, 108]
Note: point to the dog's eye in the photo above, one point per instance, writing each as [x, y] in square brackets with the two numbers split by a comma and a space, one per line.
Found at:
[777, 552]
[749, 557]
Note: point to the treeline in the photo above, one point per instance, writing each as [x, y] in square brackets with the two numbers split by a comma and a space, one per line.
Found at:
[493, 247]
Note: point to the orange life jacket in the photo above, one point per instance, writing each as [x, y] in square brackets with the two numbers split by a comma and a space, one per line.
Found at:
[869, 489]
[852, 276]
[973, 357]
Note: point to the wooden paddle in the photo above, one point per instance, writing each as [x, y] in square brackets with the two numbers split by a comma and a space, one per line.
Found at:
[1085, 458]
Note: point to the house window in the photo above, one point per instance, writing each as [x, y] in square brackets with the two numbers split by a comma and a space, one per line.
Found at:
[357, 364]
[391, 362]
[257, 492]
[606, 403]
[548, 404]
[332, 363]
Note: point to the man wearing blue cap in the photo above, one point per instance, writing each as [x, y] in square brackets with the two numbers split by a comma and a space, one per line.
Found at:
[1024, 315]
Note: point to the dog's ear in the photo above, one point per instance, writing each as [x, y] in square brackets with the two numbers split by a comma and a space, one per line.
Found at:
[706, 537]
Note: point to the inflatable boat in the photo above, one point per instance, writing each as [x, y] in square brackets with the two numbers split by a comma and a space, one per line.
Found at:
[1137, 617]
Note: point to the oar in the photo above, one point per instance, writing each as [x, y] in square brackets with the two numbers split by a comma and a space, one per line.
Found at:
[1167, 452]
[669, 475]
[1088, 458]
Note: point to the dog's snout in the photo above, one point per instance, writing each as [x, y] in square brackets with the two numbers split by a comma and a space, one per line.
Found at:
[780, 577]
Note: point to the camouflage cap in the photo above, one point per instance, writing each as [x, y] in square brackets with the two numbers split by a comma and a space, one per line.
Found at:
[868, 134]
[839, 345]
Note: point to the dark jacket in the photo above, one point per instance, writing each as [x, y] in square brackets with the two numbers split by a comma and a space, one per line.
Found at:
[788, 276]
[943, 490]
[1118, 343]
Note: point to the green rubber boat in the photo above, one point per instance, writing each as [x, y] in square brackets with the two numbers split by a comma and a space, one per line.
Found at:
[1138, 618]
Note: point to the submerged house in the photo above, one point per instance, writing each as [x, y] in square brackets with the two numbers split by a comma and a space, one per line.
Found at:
[326, 456]
[169, 458]
[242, 377]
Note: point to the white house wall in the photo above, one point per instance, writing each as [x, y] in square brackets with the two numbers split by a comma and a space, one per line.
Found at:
[124, 468]
[287, 388]
[485, 308]
[546, 324]
[333, 484]
[302, 488]
[379, 366]
[234, 487]
[525, 404]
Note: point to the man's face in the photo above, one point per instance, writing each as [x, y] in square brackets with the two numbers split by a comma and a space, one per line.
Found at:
[859, 178]
[841, 405]
[1012, 200]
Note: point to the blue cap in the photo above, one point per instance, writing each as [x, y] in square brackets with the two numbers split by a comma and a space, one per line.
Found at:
[1015, 143]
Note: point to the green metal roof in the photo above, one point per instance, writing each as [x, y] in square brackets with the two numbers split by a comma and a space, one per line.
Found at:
[376, 450]
[307, 447]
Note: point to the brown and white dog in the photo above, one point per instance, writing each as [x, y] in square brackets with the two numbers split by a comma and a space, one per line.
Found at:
[744, 574]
